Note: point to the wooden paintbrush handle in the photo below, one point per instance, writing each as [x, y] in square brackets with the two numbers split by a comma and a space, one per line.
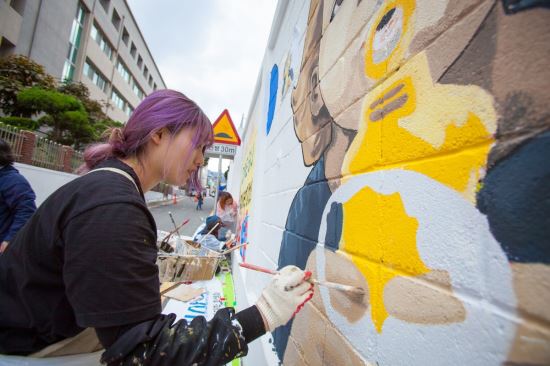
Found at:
[257, 268]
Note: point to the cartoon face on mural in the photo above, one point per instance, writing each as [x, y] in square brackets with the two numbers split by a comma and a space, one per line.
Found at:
[400, 214]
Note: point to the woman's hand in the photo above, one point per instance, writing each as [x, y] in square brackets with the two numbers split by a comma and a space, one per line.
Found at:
[285, 296]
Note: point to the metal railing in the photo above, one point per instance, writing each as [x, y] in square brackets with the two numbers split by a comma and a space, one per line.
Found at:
[77, 160]
[48, 154]
[14, 138]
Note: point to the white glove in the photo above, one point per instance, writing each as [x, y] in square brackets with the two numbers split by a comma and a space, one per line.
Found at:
[284, 296]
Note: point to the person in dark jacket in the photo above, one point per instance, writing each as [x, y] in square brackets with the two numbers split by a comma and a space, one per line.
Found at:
[16, 197]
[200, 200]
[84, 268]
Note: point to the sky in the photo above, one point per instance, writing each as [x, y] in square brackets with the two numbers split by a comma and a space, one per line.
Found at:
[210, 50]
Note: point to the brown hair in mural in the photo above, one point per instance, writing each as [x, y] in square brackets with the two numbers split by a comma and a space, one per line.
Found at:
[515, 193]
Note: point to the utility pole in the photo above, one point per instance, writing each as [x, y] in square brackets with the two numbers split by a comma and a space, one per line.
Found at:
[218, 183]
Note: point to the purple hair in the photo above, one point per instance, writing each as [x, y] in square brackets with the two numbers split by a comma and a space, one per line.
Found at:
[161, 109]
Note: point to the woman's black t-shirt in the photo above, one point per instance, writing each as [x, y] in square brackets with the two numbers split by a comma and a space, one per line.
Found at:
[85, 259]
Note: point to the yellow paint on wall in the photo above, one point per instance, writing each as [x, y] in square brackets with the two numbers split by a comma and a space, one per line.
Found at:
[386, 238]
[401, 24]
[408, 122]
[247, 175]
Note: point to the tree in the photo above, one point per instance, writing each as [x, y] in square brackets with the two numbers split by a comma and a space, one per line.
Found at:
[16, 73]
[64, 114]
[98, 120]
[81, 92]
[20, 122]
[26, 90]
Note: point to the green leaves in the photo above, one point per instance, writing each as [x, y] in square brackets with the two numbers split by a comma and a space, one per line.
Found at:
[18, 72]
[65, 111]
[20, 122]
[36, 100]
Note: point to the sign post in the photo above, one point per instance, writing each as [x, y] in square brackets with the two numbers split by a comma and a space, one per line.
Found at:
[226, 140]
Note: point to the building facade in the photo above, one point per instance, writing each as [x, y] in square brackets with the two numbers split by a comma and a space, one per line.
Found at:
[96, 42]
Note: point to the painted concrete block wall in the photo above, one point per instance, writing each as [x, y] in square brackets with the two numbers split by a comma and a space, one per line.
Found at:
[403, 146]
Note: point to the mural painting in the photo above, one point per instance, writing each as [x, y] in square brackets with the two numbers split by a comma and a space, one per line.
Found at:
[273, 86]
[288, 75]
[245, 195]
[427, 129]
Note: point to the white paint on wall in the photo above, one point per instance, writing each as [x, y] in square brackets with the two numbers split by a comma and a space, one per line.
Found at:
[454, 236]
[278, 170]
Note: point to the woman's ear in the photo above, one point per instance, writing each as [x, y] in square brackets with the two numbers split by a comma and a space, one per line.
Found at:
[157, 136]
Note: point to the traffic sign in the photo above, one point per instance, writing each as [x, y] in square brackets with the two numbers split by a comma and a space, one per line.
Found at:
[225, 131]
[221, 149]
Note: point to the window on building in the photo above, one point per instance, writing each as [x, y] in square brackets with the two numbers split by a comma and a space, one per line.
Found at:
[74, 44]
[115, 19]
[105, 5]
[150, 81]
[125, 36]
[133, 50]
[145, 72]
[136, 89]
[6, 48]
[128, 110]
[140, 61]
[121, 103]
[123, 71]
[117, 100]
[100, 39]
[18, 6]
[94, 75]
[155, 86]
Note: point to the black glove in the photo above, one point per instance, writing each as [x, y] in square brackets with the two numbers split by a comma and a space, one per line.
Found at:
[160, 342]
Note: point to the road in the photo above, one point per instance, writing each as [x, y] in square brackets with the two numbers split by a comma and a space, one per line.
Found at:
[184, 209]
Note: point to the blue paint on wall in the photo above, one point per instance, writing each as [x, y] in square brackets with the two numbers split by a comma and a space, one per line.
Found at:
[335, 220]
[516, 199]
[302, 232]
[273, 86]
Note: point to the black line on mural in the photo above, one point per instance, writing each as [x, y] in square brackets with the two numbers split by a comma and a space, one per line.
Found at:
[335, 220]
[515, 6]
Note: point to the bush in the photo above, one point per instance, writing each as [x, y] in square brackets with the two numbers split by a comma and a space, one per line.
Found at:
[33, 100]
[20, 122]
[16, 73]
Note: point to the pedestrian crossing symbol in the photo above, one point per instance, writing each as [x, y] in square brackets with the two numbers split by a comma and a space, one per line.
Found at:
[225, 131]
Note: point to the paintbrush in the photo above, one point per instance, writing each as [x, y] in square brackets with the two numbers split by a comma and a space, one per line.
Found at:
[333, 285]
[234, 248]
[176, 229]
[164, 242]
[174, 222]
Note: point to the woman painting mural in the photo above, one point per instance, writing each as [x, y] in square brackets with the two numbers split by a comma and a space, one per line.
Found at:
[81, 275]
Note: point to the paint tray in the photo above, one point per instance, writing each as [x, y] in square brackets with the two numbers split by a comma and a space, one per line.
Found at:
[188, 267]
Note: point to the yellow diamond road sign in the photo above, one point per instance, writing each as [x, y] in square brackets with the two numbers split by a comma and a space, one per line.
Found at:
[225, 131]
